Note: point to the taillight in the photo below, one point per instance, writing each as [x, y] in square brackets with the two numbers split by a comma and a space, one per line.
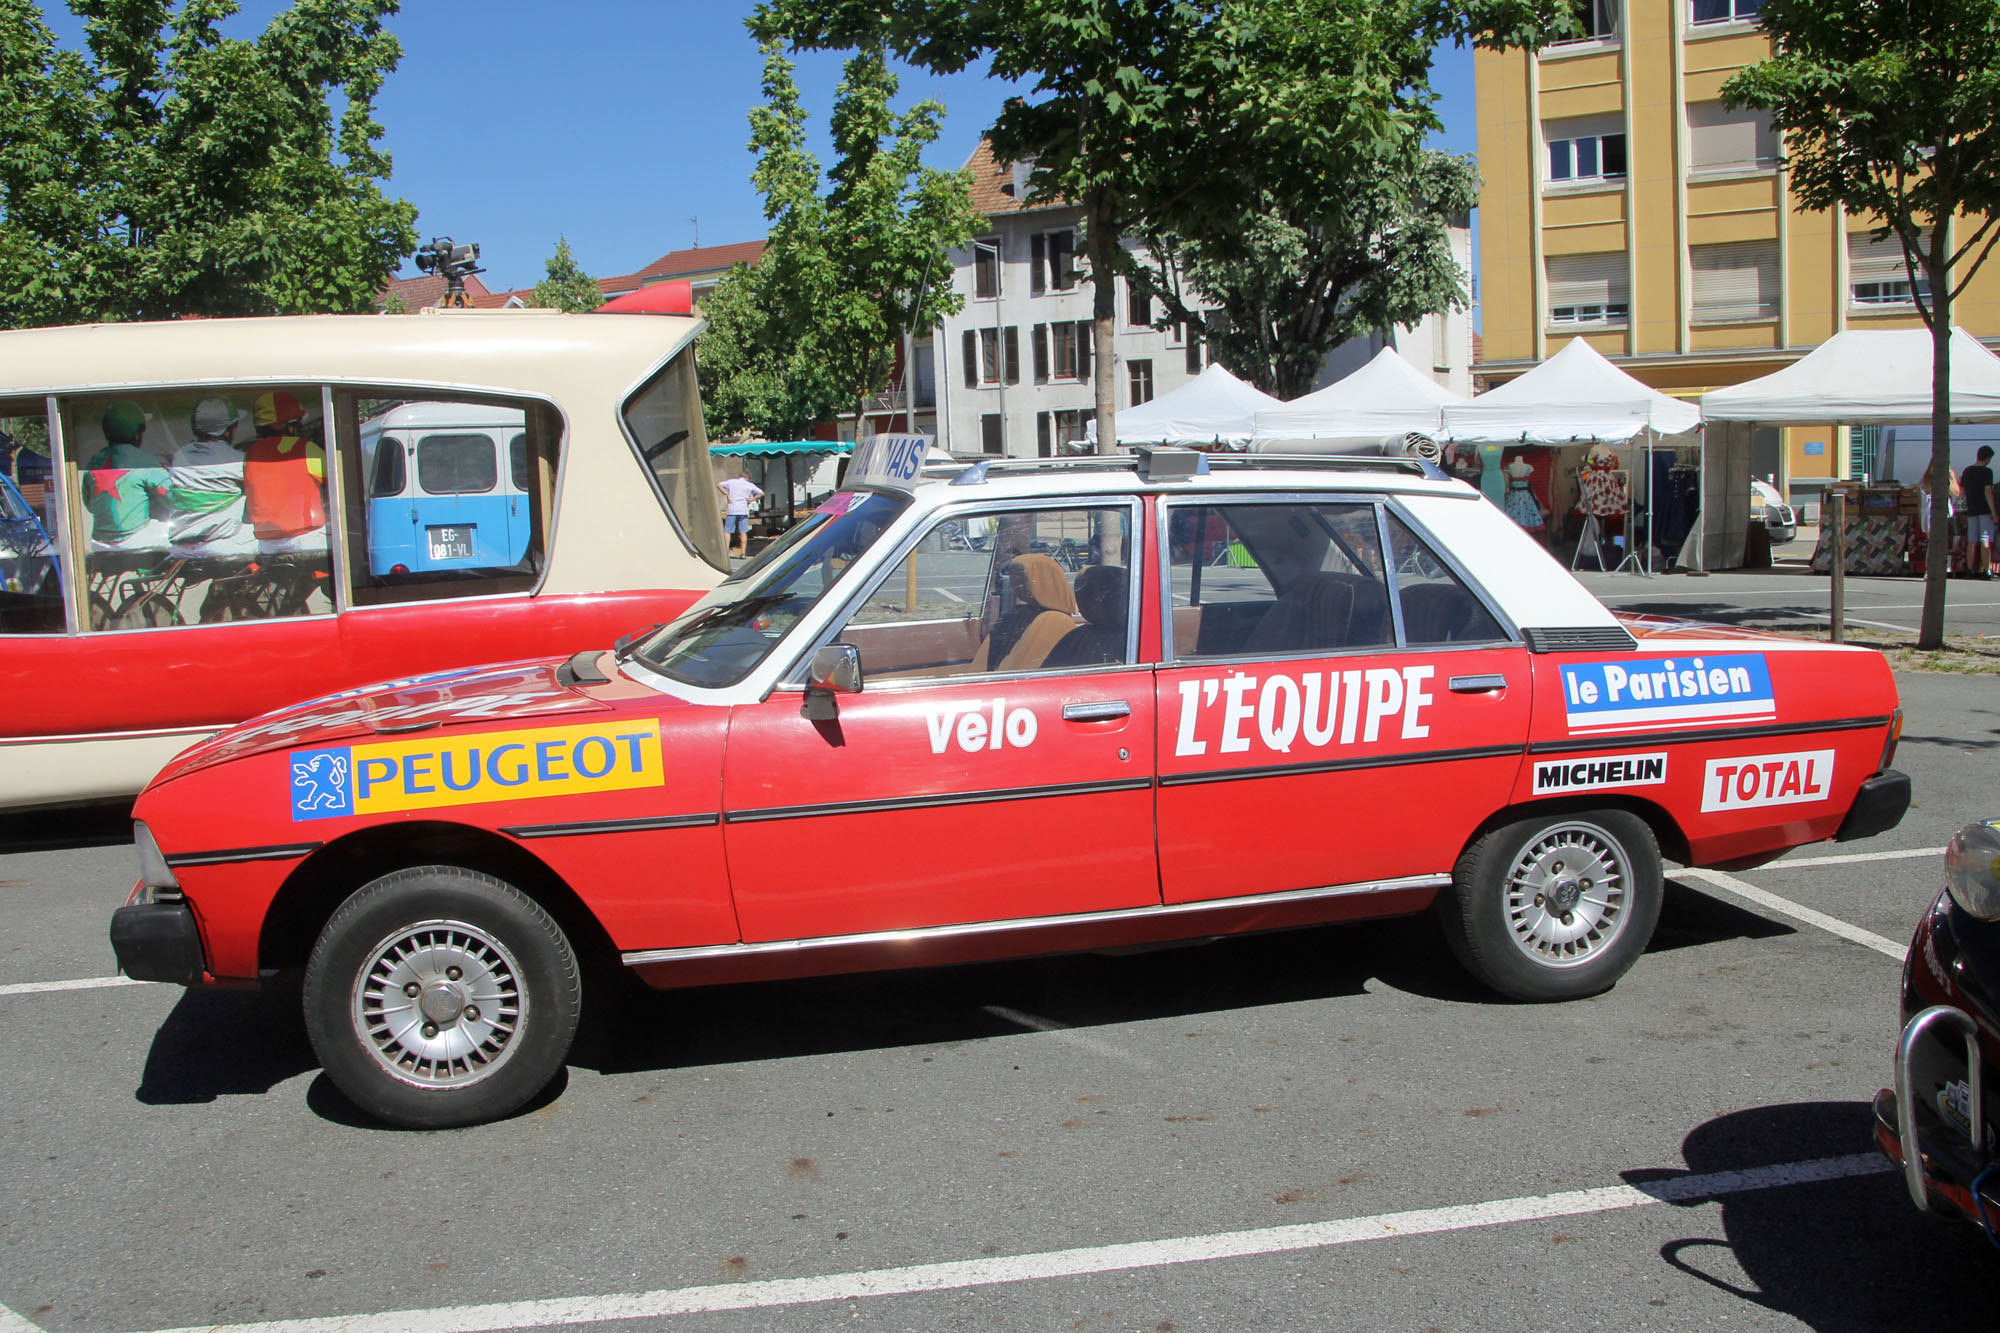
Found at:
[404, 569]
[1889, 746]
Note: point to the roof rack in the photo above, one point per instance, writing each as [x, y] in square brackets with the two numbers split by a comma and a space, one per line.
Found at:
[1149, 464]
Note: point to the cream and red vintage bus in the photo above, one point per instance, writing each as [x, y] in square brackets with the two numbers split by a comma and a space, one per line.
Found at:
[209, 489]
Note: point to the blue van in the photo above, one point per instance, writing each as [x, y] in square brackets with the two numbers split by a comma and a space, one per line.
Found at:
[448, 488]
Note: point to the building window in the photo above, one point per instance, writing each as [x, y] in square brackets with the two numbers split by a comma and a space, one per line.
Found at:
[1053, 430]
[1735, 281]
[983, 351]
[1588, 289]
[990, 438]
[1876, 273]
[986, 269]
[1723, 140]
[1140, 373]
[1070, 349]
[1725, 11]
[1599, 19]
[1587, 148]
[1054, 261]
[1193, 334]
[1138, 306]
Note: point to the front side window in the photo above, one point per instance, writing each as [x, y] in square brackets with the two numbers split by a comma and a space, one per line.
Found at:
[722, 638]
[1011, 590]
[439, 517]
[31, 574]
[198, 508]
[664, 422]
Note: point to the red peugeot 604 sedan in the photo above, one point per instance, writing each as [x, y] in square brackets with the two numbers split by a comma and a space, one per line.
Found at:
[1019, 709]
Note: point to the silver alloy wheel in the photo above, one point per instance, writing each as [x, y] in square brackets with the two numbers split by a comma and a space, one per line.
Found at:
[440, 1004]
[1567, 892]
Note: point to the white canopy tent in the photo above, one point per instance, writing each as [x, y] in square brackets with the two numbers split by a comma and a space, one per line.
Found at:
[1576, 396]
[1212, 408]
[1387, 396]
[1865, 377]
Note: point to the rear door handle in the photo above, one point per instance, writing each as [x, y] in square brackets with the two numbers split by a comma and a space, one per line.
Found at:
[1104, 711]
[1477, 684]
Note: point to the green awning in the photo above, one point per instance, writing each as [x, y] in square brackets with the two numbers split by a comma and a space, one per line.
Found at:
[778, 448]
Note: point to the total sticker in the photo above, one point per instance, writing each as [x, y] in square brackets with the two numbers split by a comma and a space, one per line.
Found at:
[436, 771]
[1755, 780]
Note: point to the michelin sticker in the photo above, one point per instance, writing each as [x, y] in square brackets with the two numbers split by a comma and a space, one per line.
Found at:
[437, 771]
[1618, 770]
[1638, 693]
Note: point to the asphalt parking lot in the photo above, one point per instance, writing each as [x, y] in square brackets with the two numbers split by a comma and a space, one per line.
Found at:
[1325, 1129]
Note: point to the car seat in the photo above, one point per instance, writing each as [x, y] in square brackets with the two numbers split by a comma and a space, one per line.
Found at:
[1044, 611]
[1102, 598]
[1312, 614]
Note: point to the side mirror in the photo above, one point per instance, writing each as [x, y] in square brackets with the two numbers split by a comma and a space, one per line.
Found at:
[835, 669]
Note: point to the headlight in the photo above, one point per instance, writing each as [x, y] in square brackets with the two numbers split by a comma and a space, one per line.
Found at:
[1972, 869]
[154, 872]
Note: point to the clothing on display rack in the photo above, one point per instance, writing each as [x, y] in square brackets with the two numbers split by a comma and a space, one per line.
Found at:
[1604, 487]
[1520, 502]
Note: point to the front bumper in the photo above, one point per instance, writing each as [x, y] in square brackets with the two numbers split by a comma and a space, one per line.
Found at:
[158, 942]
[1878, 807]
[1944, 1165]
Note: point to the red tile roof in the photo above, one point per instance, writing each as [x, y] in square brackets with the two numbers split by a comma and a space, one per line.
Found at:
[428, 289]
[683, 264]
[993, 184]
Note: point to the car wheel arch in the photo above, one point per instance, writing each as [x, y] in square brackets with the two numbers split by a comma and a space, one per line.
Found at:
[317, 886]
[1667, 833]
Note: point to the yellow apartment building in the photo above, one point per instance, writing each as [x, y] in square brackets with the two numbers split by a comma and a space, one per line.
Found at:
[1623, 203]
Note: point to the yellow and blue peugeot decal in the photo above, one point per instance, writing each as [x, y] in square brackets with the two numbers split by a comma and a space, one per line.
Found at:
[432, 772]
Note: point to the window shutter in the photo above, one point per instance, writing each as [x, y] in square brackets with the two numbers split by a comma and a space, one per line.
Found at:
[971, 358]
[1870, 260]
[1588, 280]
[1042, 433]
[1083, 341]
[1013, 341]
[1038, 249]
[1719, 137]
[1040, 338]
[1736, 281]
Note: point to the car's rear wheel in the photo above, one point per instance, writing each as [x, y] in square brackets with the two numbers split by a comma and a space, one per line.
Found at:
[438, 996]
[1555, 906]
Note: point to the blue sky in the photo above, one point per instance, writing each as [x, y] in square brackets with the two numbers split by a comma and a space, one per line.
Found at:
[619, 124]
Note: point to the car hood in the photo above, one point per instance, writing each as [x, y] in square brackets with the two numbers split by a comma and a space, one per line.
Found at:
[394, 708]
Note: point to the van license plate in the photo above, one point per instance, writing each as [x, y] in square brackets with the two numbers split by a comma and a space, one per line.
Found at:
[451, 543]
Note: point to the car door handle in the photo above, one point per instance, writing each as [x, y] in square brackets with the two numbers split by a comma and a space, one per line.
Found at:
[1106, 710]
[1477, 684]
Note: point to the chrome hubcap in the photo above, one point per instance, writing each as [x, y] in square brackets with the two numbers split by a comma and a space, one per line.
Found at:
[1567, 893]
[440, 1003]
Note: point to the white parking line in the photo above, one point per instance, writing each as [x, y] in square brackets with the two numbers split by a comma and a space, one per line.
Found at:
[78, 983]
[1856, 858]
[963, 1274]
[13, 1323]
[1054, 1029]
[1799, 912]
[949, 593]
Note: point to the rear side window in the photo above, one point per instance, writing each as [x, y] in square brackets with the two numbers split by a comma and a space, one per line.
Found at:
[456, 465]
[663, 421]
[1437, 606]
[517, 462]
[31, 565]
[1277, 579]
[392, 471]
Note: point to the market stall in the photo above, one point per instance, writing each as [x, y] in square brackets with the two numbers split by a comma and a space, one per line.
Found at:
[1587, 450]
[1214, 409]
[1388, 396]
[783, 468]
[1864, 377]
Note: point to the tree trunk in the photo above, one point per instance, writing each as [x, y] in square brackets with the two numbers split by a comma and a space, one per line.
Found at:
[1103, 244]
[1938, 556]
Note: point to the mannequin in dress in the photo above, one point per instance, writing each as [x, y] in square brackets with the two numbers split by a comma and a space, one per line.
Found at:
[1604, 484]
[1520, 502]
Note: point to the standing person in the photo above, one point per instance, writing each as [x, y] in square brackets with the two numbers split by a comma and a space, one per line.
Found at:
[740, 492]
[1977, 482]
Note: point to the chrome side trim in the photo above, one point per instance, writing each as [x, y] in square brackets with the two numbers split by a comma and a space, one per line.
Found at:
[589, 827]
[1017, 924]
[231, 855]
[139, 733]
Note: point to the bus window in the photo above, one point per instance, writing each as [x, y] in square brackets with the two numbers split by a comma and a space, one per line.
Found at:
[440, 518]
[663, 421]
[199, 508]
[31, 597]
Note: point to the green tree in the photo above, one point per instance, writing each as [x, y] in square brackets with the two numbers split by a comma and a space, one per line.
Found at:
[1297, 277]
[1893, 110]
[854, 260]
[566, 286]
[1159, 115]
[171, 170]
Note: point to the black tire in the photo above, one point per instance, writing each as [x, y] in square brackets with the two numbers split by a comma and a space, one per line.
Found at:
[1598, 868]
[447, 939]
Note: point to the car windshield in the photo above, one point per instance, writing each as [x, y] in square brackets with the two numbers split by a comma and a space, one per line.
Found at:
[722, 637]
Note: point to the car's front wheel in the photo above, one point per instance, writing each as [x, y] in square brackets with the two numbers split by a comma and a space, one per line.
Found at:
[1555, 906]
[438, 996]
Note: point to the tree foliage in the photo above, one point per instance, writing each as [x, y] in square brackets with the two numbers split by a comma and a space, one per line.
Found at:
[1163, 116]
[1893, 110]
[855, 256]
[565, 285]
[170, 170]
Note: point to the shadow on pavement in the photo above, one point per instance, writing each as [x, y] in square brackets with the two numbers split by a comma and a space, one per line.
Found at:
[57, 830]
[225, 1043]
[1690, 917]
[1842, 1254]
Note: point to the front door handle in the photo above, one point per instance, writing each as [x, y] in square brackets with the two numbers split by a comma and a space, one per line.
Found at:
[1477, 684]
[1107, 710]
